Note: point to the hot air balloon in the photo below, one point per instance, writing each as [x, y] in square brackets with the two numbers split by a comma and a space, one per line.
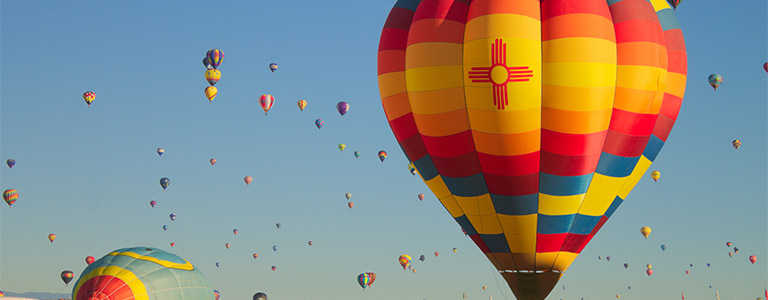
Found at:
[341, 147]
[277, 225]
[645, 230]
[51, 237]
[302, 104]
[455, 249]
[165, 227]
[172, 216]
[411, 168]
[10, 196]
[207, 63]
[437, 253]
[715, 80]
[319, 123]
[655, 175]
[342, 107]
[235, 231]
[708, 265]
[626, 265]
[248, 180]
[266, 102]
[273, 67]
[89, 259]
[421, 197]
[226, 245]
[765, 67]
[422, 258]
[141, 273]
[152, 203]
[736, 144]
[274, 268]
[382, 155]
[608, 258]
[752, 259]
[212, 161]
[649, 272]
[309, 243]
[217, 293]
[357, 154]
[10, 162]
[414, 270]
[274, 248]
[218, 264]
[350, 204]
[212, 76]
[648, 266]
[348, 195]
[485, 288]
[255, 255]
[674, 3]
[260, 296]
[67, 276]
[490, 120]
[730, 254]
[173, 244]
[599, 257]
[728, 244]
[404, 260]
[735, 250]
[164, 182]
[663, 247]
[372, 277]
[2, 294]
[363, 279]
[690, 265]
[89, 97]
[687, 272]
[210, 93]
[215, 56]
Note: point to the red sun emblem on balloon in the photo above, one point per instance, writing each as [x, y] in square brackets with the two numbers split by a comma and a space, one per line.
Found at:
[499, 74]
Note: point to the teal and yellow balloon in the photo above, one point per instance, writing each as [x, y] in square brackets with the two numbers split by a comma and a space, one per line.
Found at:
[142, 273]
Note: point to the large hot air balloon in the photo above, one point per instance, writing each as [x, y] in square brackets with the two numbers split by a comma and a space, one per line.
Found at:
[674, 3]
[89, 97]
[164, 182]
[212, 76]
[215, 56]
[152, 203]
[141, 273]
[363, 280]
[210, 93]
[260, 296]
[266, 102]
[736, 144]
[10, 162]
[67, 276]
[655, 175]
[404, 260]
[319, 123]
[10, 196]
[342, 107]
[273, 67]
[531, 121]
[248, 180]
[51, 237]
[89, 259]
[715, 80]
[302, 104]
[645, 231]
[382, 155]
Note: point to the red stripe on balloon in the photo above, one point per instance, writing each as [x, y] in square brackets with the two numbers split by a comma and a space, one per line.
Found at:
[517, 165]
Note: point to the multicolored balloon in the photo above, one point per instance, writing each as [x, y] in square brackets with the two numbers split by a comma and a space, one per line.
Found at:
[674, 3]
[67, 276]
[341, 147]
[10, 162]
[715, 80]
[215, 56]
[141, 273]
[663, 247]
[165, 227]
[649, 272]
[277, 225]
[51, 237]
[235, 231]
[342, 107]
[217, 293]
[382, 155]
[255, 255]
[164, 182]
[89, 259]
[173, 244]
[421, 197]
[248, 180]
[655, 175]
[172, 216]
[10, 196]
[404, 260]
[736, 144]
[273, 67]
[89, 97]
[227, 245]
[645, 231]
[363, 280]
[302, 104]
[516, 73]
[212, 76]
[274, 268]
[211, 92]
[319, 123]
[152, 203]
[160, 151]
[357, 154]
[350, 204]
[309, 243]
[371, 277]
[266, 102]
[212, 161]
[728, 244]
[260, 295]
[412, 168]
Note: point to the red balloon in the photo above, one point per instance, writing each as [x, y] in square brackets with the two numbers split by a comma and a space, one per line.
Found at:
[90, 259]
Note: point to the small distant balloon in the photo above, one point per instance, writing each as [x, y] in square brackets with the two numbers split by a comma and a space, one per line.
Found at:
[412, 168]
[89, 97]
[165, 227]
[728, 244]
[730, 254]
[212, 161]
[164, 182]
[51, 237]
[173, 244]
[765, 67]
[227, 245]
[67, 276]
[248, 180]
[608, 258]
[212, 76]
[422, 258]
[255, 255]
[342, 107]
[735, 250]
[382, 155]
[235, 231]
[211, 92]
[708, 265]
[302, 104]
[89, 259]
[663, 247]
[357, 154]
[687, 272]
[277, 225]
[218, 264]
[152, 203]
[649, 272]
[363, 280]
[437, 253]
[674, 3]
[599, 257]
[715, 80]
[215, 56]
[421, 197]
[648, 266]
[404, 260]
[10, 196]
[10, 162]
[455, 249]
[655, 175]
[736, 144]
[348, 195]
[645, 230]
[266, 102]
[274, 248]
[217, 293]
[172, 216]
[309, 243]
[626, 265]
[207, 63]
[319, 123]
[350, 204]
[260, 296]
[274, 268]
[273, 67]
[341, 147]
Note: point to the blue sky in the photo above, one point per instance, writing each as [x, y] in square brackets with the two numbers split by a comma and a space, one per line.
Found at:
[88, 174]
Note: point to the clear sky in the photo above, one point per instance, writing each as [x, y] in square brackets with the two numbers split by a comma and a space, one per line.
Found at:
[88, 174]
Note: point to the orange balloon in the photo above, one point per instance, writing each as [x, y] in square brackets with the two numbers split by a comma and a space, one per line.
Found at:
[51, 237]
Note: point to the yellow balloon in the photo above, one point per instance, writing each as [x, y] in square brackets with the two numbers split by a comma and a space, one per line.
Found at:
[211, 92]
[648, 266]
[655, 175]
[342, 146]
[645, 230]
[302, 104]
[212, 76]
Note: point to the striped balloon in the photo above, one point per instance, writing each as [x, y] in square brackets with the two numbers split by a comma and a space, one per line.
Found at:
[215, 56]
[531, 121]
[10, 196]
[266, 102]
[89, 97]
[363, 280]
[141, 273]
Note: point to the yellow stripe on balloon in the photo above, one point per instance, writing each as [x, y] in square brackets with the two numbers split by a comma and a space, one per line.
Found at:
[507, 26]
[545, 260]
[634, 178]
[391, 83]
[564, 260]
[168, 264]
[452, 206]
[505, 122]
[433, 78]
[562, 97]
[580, 74]
[481, 213]
[559, 205]
[676, 84]
[520, 232]
[137, 287]
[601, 193]
[642, 78]
[659, 4]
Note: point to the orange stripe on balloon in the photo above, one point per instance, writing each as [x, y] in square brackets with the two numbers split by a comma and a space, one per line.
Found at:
[528, 8]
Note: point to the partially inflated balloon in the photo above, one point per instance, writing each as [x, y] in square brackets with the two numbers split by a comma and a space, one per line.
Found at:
[342, 107]
[89, 259]
[141, 273]
[382, 155]
[266, 102]
[273, 67]
[248, 180]
[211, 92]
[302, 104]
[10, 196]
[537, 117]
[260, 296]
[319, 123]
[715, 80]
[341, 147]
[164, 182]
[404, 260]
[212, 161]
[212, 76]
[10, 162]
[645, 231]
[67, 276]
[152, 203]
[51, 237]
[736, 144]
[89, 97]
[655, 175]
[215, 56]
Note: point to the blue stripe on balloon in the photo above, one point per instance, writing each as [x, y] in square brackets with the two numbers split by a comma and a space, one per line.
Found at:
[469, 186]
[614, 205]
[466, 225]
[547, 224]
[653, 148]
[564, 185]
[516, 205]
[667, 19]
[616, 166]
[408, 4]
[426, 167]
[584, 224]
[497, 243]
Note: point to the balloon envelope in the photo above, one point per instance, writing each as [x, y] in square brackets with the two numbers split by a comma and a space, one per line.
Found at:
[248, 180]
[212, 76]
[363, 280]
[655, 175]
[302, 104]
[10, 162]
[51, 237]
[342, 107]
[152, 203]
[319, 123]
[645, 231]
[211, 92]
[10, 196]
[89, 97]
[404, 260]
[357, 154]
[215, 56]
[67, 276]
[273, 67]
[382, 155]
[260, 296]
[165, 182]
[266, 102]
[212, 161]
[142, 273]
[715, 80]
[90, 259]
